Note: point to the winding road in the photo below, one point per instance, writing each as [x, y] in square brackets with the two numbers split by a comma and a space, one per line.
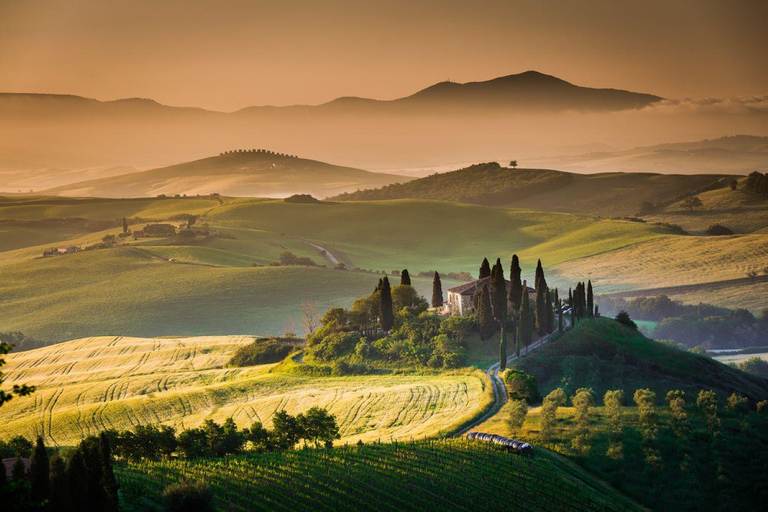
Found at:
[328, 254]
[499, 389]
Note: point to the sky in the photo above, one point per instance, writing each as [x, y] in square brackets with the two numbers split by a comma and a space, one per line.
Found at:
[229, 54]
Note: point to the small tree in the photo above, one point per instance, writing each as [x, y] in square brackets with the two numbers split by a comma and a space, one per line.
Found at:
[125, 225]
[691, 203]
[623, 318]
[613, 401]
[513, 164]
[188, 496]
[590, 300]
[309, 315]
[485, 269]
[738, 403]
[485, 320]
[583, 401]
[405, 278]
[502, 349]
[548, 414]
[515, 283]
[708, 403]
[386, 313]
[518, 410]
[645, 399]
[437, 292]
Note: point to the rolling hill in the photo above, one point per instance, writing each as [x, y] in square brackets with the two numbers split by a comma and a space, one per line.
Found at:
[242, 173]
[88, 385]
[491, 184]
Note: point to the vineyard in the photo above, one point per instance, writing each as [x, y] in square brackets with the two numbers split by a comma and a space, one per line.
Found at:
[89, 385]
[422, 475]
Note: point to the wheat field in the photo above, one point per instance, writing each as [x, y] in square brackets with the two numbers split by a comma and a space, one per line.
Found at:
[88, 385]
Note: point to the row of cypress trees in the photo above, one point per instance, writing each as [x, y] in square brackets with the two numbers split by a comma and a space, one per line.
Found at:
[84, 483]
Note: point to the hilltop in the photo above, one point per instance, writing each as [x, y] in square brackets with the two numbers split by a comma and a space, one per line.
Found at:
[602, 354]
[491, 184]
[258, 173]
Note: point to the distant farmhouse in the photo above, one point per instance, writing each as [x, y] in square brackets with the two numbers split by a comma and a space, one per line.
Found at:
[58, 251]
[155, 230]
[460, 297]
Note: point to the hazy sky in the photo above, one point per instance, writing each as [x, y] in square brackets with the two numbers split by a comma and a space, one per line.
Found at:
[227, 54]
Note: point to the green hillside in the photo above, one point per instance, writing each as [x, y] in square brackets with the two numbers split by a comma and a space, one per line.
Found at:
[435, 475]
[243, 173]
[602, 354]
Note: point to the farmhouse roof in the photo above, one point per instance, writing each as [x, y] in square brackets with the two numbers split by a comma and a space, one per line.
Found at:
[471, 288]
[8, 465]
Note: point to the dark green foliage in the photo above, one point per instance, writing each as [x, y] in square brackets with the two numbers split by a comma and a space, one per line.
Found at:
[590, 301]
[188, 497]
[264, 351]
[516, 283]
[485, 269]
[522, 386]
[602, 354]
[719, 230]
[286, 429]
[19, 470]
[144, 441]
[541, 300]
[77, 482]
[485, 320]
[326, 346]
[498, 292]
[39, 473]
[60, 492]
[288, 259]
[193, 443]
[301, 199]
[502, 349]
[437, 292]
[406, 296]
[386, 312]
[525, 325]
[125, 225]
[108, 481]
[623, 319]
[754, 366]
[550, 313]
[318, 427]
[405, 278]
[757, 183]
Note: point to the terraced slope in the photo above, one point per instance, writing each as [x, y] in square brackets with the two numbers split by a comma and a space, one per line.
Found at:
[92, 384]
[434, 475]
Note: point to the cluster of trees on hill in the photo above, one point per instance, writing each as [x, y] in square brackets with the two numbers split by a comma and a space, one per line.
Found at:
[81, 479]
[289, 259]
[484, 183]
[258, 151]
[757, 183]
[316, 426]
[265, 351]
[696, 325]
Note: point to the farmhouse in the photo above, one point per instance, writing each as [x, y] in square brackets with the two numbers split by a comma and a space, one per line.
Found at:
[69, 249]
[460, 297]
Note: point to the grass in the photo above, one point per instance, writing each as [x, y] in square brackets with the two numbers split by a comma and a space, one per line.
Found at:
[88, 385]
[124, 291]
[435, 475]
[602, 354]
[739, 358]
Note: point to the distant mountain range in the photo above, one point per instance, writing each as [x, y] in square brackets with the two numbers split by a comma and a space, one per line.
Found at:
[254, 173]
[528, 91]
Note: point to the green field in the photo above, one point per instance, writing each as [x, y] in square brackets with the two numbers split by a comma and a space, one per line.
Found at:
[434, 475]
[86, 386]
[138, 291]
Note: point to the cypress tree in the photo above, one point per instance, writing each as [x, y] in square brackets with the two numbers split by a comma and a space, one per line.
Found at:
[502, 349]
[405, 278]
[570, 297]
[590, 300]
[525, 326]
[108, 480]
[583, 300]
[77, 482]
[498, 292]
[550, 312]
[541, 301]
[40, 473]
[484, 313]
[556, 299]
[560, 321]
[59, 485]
[437, 292]
[516, 283]
[386, 314]
[18, 470]
[125, 225]
[485, 269]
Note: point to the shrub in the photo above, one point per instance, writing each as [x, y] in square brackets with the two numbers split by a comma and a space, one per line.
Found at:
[623, 318]
[518, 410]
[738, 403]
[718, 230]
[264, 351]
[188, 497]
[522, 386]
